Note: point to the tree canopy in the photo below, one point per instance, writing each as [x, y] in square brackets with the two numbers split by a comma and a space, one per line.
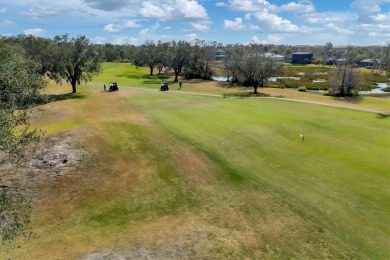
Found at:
[75, 59]
[257, 68]
[385, 59]
[345, 78]
[20, 86]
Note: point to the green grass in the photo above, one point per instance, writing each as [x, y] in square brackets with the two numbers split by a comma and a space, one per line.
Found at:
[219, 177]
[64, 125]
[126, 74]
[338, 177]
[129, 75]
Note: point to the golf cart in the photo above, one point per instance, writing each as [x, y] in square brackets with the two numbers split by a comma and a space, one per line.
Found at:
[164, 86]
[113, 86]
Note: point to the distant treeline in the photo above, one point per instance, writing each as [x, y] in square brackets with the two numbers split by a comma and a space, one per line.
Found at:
[76, 58]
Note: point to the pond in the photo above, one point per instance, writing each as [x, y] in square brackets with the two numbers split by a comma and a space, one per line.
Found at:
[220, 78]
[377, 90]
[276, 78]
[319, 80]
[270, 79]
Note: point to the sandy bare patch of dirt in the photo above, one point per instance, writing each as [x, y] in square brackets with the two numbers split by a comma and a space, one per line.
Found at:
[55, 155]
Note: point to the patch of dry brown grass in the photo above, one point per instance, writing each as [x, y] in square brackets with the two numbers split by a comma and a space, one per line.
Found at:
[228, 220]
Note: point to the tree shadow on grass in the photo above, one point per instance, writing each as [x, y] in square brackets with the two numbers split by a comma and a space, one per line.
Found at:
[382, 115]
[147, 79]
[60, 97]
[153, 81]
[245, 95]
[353, 99]
[144, 76]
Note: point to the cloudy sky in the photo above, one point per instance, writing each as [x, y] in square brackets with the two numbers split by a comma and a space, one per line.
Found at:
[313, 22]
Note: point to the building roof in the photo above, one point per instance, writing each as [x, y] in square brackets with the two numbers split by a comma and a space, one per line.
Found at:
[367, 60]
[273, 55]
[302, 53]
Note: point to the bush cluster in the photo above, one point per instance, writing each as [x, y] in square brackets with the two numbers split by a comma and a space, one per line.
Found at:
[302, 89]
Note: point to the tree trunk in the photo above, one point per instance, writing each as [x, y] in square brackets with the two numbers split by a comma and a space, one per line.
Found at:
[176, 75]
[256, 86]
[73, 82]
[151, 71]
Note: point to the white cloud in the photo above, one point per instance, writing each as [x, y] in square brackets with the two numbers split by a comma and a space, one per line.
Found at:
[235, 25]
[365, 6]
[152, 29]
[35, 32]
[381, 18]
[292, 7]
[271, 39]
[120, 26]
[256, 40]
[120, 40]
[201, 26]
[379, 30]
[303, 6]
[149, 10]
[339, 30]
[271, 22]
[379, 35]
[262, 13]
[368, 10]
[221, 4]
[3, 10]
[173, 10]
[43, 10]
[192, 36]
[329, 17]
[111, 28]
[274, 39]
[144, 31]
[130, 24]
[248, 5]
[7, 23]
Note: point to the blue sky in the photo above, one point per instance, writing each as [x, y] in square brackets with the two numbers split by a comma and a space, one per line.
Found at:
[312, 22]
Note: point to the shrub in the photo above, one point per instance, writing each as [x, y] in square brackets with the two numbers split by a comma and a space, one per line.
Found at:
[327, 93]
[272, 84]
[302, 89]
[291, 83]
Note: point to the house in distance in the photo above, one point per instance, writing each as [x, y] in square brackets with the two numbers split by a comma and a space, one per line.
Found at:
[302, 58]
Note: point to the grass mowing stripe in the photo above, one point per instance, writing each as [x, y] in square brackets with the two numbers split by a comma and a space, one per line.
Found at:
[336, 167]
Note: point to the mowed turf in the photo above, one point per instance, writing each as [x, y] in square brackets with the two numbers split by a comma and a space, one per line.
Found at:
[184, 176]
[129, 75]
[337, 177]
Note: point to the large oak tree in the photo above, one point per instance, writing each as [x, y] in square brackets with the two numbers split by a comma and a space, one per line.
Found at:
[257, 68]
[20, 85]
[75, 59]
[178, 56]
